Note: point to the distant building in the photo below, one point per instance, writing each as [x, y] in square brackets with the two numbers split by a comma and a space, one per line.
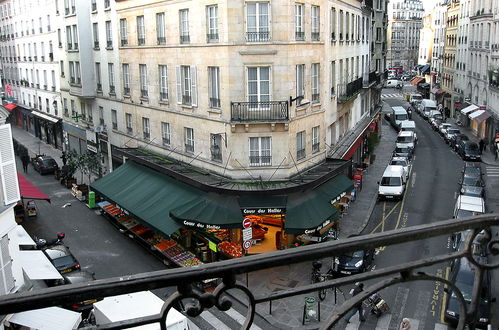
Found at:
[449, 57]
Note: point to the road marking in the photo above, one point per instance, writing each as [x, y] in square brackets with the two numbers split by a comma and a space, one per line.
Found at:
[383, 219]
[240, 318]
[403, 201]
[413, 180]
[213, 320]
[421, 308]
[440, 326]
[400, 300]
[444, 298]
[384, 321]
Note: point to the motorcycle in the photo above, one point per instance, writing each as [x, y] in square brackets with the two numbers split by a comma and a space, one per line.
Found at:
[377, 304]
[44, 244]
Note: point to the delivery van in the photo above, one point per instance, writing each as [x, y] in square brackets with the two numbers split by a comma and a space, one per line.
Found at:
[392, 184]
[397, 116]
[426, 106]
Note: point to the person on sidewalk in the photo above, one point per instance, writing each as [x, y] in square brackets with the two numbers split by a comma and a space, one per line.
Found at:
[359, 287]
[25, 160]
[405, 325]
[481, 145]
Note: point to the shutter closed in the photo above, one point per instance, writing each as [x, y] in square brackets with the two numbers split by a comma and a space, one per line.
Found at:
[179, 86]
[8, 172]
[194, 89]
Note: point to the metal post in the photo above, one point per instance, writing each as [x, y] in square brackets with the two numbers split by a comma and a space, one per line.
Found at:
[335, 296]
[270, 307]
[247, 280]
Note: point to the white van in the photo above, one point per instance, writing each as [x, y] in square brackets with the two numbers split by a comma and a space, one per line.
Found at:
[410, 126]
[392, 185]
[426, 106]
[414, 99]
[397, 116]
[406, 139]
[467, 206]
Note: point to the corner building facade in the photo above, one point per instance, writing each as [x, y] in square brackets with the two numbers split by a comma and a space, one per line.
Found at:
[257, 88]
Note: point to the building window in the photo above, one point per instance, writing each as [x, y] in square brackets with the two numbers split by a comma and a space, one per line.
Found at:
[126, 79]
[123, 32]
[78, 73]
[95, 29]
[163, 83]
[114, 119]
[109, 35]
[189, 139]
[71, 72]
[160, 28]
[98, 77]
[73, 108]
[216, 147]
[259, 87]
[299, 24]
[300, 80]
[141, 31]
[186, 85]
[83, 111]
[315, 23]
[110, 71]
[101, 115]
[260, 151]
[146, 128]
[128, 121]
[214, 86]
[143, 80]
[315, 82]
[69, 38]
[333, 78]
[165, 133]
[94, 5]
[65, 105]
[107, 4]
[212, 23]
[300, 145]
[184, 26]
[258, 21]
[315, 139]
[341, 25]
[75, 37]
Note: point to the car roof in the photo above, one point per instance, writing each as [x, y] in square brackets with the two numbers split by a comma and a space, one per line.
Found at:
[393, 170]
[428, 102]
[400, 158]
[79, 277]
[406, 133]
[470, 203]
[408, 123]
[57, 251]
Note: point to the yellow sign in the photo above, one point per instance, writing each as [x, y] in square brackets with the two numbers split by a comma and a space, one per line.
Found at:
[212, 246]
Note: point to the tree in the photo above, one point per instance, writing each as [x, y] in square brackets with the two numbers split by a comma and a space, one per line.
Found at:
[89, 164]
[71, 166]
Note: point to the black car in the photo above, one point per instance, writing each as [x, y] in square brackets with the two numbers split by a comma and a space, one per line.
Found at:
[450, 133]
[472, 185]
[469, 150]
[45, 164]
[463, 276]
[403, 151]
[456, 139]
[62, 259]
[353, 262]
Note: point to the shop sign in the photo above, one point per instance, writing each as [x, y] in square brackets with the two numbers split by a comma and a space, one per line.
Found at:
[337, 199]
[91, 147]
[247, 245]
[324, 224]
[310, 238]
[246, 223]
[247, 234]
[212, 246]
[200, 225]
[267, 210]
[122, 210]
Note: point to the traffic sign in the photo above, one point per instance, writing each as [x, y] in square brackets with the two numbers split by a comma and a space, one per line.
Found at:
[246, 223]
[247, 234]
[247, 245]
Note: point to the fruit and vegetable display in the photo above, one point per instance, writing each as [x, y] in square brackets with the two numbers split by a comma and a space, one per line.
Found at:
[113, 210]
[181, 257]
[231, 249]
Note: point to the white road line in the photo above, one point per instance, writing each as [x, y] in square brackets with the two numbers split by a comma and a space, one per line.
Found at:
[213, 320]
[440, 326]
[240, 318]
[493, 175]
[384, 322]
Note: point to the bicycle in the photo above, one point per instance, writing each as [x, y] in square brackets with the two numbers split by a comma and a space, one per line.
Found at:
[317, 277]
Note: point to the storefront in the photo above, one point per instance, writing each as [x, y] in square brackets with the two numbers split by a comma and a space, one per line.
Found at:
[465, 112]
[75, 138]
[478, 120]
[48, 128]
[185, 225]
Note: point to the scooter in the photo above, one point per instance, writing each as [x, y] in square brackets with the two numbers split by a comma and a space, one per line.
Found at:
[377, 304]
[44, 244]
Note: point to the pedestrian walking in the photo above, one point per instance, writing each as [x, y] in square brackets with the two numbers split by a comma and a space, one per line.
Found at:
[405, 324]
[25, 161]
[359, 287]
[481, 145]
[64, 158]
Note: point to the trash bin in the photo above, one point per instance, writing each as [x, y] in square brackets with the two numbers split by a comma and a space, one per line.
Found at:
[91, 199]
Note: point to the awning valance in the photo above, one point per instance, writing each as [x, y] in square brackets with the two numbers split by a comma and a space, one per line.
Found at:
[439, 92]
[425, 68]
[50, 318]
[416, 80]
[28, 190]
[45, 116]
[10, 106]
[146, 194]
[312, 210]
[468, 109]
[480, 115]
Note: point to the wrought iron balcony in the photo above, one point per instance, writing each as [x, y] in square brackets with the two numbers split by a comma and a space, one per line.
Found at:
[211, 37]
[299, 35]
[124, 42]
[316, 36]
[257, 36]
[228, 270]
[348, 91]
[270, 111]
[185, 39]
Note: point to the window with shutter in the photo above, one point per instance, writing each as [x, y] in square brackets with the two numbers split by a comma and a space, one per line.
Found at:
[8, 172]
[6, 277]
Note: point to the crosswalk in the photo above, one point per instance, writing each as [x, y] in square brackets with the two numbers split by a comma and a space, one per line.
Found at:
[228, 320]
[385, 322]
[492, 171]
[391, 96]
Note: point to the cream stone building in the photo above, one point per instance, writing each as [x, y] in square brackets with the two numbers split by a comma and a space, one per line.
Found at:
[449, 56]
[254, 89]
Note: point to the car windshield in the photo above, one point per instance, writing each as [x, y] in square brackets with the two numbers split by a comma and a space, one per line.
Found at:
[464, 281]
[404, 139]
[472, 171]
[453, 131]
[49, 162]
[401, 117]
[399, 162]
[408, 129]
[356, 254]
[464, 214]
[472, 147]
[471, 181]
[417, 97]
[400, 150]
[390, 181]
[63, 261]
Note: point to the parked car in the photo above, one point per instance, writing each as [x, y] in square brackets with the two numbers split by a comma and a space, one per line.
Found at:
[81, 276]
[425, 106]
[62, 259]
[404, 162]
[467, 206]
[393, 83]
[406, 77]
[463, 276]
[435, 123]
[456, 139]
[443, 128]
[471, 181]
[406, 138]
[469, 150]
[409, 125]
[403, 151]
[397, 116]
[392, 185]
[415, 99]
[435, 114]
[45, 164]
[450, 132]
[353, 262]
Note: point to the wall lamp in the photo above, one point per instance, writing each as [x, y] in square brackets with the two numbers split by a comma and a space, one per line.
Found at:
[300, 101]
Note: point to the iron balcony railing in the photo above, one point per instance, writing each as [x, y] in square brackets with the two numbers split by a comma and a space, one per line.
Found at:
[184, 278]
[185, 39]
[257, 36]
[316, 36]
[346, 92]
[299, 35]
[259, 111]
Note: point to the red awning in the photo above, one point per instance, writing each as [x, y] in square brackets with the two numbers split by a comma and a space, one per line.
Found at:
[10, 106]
[28, 190]
[440, 91]
[415, 81]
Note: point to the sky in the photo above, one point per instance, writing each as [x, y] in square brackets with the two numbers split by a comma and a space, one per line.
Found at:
[428, 5]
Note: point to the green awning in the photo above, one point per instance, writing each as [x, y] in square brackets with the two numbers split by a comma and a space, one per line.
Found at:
[213, 211]
[146, 194]
[312, 210]
[262, 201]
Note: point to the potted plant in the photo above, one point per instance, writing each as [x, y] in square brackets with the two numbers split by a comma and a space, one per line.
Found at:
[68, 170]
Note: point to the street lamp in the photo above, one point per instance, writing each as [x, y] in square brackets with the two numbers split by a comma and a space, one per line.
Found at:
[300, 100]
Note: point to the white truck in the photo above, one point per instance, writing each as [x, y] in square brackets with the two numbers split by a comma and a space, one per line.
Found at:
[134, 305]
